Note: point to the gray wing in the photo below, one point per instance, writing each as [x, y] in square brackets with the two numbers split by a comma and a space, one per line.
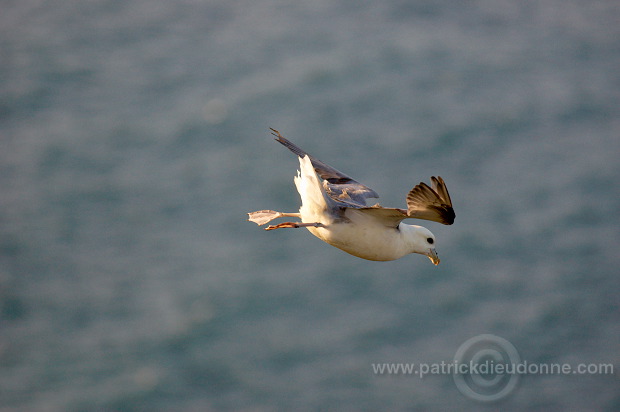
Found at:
[423, 202]
[338, 186]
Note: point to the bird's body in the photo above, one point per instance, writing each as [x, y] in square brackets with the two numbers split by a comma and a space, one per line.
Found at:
[364, 237]
[334, 210]
[353, 231]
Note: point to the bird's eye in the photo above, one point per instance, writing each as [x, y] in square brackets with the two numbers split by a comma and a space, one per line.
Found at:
[430, 240]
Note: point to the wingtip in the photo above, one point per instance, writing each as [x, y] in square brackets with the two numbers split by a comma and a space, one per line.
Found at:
[424, 202]
[275, 133]
[450, 218]
[436, 183]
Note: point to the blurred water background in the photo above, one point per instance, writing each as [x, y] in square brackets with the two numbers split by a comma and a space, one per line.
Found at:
[134, 138]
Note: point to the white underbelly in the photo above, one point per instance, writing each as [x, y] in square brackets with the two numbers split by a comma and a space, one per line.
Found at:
[367, 242]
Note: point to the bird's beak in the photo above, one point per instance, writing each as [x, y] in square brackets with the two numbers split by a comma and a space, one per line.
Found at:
[432, 255]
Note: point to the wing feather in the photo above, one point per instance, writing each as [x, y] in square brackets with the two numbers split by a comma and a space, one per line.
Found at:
[338, 186]
[424, 202]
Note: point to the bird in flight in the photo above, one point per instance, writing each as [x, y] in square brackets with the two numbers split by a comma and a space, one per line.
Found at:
[334, 210]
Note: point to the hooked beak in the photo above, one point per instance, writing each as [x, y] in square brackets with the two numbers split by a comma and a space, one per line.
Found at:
[432, 255]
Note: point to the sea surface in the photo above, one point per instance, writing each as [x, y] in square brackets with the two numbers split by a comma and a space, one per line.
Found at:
[134, 137]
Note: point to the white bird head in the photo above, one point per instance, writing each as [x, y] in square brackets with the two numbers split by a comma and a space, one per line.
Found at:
[421, 241]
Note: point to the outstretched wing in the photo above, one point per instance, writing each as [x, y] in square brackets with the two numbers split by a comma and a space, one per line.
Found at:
[433, 203]
[423, 202]
[338, 186]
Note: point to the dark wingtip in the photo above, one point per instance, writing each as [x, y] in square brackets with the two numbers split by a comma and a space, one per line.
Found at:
[445, 213]
[275, 133]
[449, 216]
[288, 144]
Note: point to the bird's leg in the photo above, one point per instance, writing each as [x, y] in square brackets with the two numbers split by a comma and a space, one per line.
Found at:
[262, 217]
[294, 225]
